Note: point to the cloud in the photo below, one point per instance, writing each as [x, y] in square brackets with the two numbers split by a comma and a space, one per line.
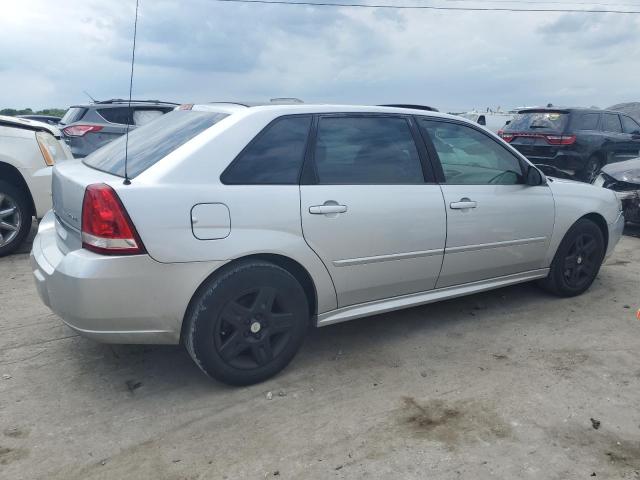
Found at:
[203, 50]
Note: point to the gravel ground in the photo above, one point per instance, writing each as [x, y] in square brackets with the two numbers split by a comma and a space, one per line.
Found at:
[510, 384]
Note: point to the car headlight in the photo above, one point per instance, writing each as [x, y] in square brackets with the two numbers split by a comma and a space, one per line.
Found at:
[50, 148]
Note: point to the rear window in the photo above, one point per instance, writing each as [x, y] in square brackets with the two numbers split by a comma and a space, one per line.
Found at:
[539, 121]
[73, 115]
[152, 142]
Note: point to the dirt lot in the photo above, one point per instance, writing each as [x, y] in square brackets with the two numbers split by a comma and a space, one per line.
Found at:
[511, 384]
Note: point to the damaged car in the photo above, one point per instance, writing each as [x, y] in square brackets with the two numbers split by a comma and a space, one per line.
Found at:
[624, 179]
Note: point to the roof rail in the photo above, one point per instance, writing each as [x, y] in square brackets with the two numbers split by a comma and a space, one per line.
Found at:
[412, 106]
[122, 100]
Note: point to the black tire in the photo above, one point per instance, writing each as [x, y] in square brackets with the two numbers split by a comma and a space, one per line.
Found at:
[233, 334]
[591, 169]
[16, 200]
[577, 261]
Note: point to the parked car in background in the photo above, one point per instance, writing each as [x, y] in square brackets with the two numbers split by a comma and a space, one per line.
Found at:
[624, 179]
[50, 119]
[494, 121]
[28, 151]
[574, 142]
[243, 226]
[88, 127]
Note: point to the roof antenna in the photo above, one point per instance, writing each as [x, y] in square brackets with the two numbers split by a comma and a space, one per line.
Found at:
[89, 95]
[130, 116]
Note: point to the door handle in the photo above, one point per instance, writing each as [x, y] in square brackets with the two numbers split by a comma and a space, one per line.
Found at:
[327, 209]
[463, 204]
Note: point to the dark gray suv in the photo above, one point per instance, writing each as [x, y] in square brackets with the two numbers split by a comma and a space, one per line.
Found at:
[86, 128]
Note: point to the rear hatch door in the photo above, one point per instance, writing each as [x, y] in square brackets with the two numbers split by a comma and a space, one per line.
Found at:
[529, 130]
[69, 181]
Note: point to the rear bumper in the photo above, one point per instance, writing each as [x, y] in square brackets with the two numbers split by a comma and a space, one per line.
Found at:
[119, 299]
[566, 161]
[615, 233]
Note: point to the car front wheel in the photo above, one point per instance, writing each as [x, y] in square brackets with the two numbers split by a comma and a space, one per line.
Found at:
[577, 261]
[15, 218]
[247, 323]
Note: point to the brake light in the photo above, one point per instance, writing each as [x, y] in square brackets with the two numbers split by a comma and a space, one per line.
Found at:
[507, 137]
[560, 139]
[106, 226]
[80, 130]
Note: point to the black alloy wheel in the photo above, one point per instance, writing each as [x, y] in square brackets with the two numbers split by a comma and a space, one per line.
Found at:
[577, 260]
[581, 261]
[254, 328]
[247, 322]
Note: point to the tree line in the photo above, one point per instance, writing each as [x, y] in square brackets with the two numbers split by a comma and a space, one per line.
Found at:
[12, 112]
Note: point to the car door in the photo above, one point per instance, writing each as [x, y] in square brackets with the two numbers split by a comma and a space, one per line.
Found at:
[631, 135]
[370, 208]
[496, 225]
[615, 146]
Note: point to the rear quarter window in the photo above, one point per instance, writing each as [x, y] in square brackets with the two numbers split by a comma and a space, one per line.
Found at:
[152, 142]
[587, 121]
[120, 115]
[274, 157]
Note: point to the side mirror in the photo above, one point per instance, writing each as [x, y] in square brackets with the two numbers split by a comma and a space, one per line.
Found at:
[534, 178]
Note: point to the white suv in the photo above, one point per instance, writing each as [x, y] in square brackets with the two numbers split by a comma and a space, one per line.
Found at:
[28, 151]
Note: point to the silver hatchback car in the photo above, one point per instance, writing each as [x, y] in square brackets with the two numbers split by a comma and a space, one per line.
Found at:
[242, 226]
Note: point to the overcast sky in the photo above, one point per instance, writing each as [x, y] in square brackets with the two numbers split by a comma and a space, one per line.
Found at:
[202, 50]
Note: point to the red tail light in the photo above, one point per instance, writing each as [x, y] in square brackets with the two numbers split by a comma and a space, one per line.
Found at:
[561, 139]
[507, 137]
[106, 226]
[550, 139]
[80, 130]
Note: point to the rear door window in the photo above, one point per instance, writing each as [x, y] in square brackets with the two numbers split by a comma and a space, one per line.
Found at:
[366, 150]
[152, 142]
[275, 156]
[587, 121]
[142, 116]
[611, 123]
[629, 125]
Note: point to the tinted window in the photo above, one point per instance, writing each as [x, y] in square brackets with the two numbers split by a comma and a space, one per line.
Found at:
[544, 121]
[587, 121]
[629, 125]
[72, 115]
[366, 150]
[274, 157]
[611, 123]
[116, 115]
[152, 142]
[469, 157]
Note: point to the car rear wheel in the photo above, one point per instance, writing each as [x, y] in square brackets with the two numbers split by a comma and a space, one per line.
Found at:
[247, 323]
[15, 218]
[577, 261]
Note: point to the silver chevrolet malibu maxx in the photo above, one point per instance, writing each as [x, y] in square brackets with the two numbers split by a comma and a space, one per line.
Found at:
[243, 225]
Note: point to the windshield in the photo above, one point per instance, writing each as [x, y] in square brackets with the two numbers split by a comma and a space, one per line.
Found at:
[152, 142]
[542, 121]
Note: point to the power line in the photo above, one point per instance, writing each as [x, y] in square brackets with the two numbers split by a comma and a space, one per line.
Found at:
[430, 7]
